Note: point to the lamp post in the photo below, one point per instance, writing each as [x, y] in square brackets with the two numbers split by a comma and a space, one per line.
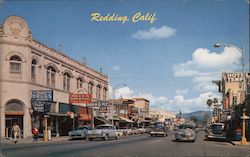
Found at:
[209, 103]
[217, 45]
[123, 84]
[243, 139]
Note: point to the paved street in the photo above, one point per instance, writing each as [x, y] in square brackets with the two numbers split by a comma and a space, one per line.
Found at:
[139, 145]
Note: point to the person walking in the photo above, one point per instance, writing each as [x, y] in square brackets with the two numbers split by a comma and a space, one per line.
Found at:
[35, 132]
[16, 131]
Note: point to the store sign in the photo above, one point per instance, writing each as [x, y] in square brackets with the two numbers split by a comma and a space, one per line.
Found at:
[103, 110]
[85, 117]
[40, 106]
[236, 77]
[42, 95]
[80, 98]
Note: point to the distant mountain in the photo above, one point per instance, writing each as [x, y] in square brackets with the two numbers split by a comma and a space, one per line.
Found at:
[198, 114]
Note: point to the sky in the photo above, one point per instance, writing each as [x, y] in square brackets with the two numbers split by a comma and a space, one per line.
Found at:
[169, 60]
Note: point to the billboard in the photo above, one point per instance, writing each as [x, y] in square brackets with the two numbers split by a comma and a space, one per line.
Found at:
[80, 98]
[42, 95]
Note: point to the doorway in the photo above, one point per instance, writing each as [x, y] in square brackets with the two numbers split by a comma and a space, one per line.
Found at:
[9, 122]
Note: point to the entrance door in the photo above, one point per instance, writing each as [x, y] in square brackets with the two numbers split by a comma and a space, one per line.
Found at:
[9, 122]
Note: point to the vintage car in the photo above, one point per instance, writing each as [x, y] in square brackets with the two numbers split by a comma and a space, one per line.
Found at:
[185, 132]
[159, 128]
[104, 132]
[217, 131]
[80, 132]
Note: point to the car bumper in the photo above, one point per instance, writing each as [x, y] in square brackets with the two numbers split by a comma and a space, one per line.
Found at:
[157, 133]
[216, 137]
[76, 136]
[93, 136]
[184, 138]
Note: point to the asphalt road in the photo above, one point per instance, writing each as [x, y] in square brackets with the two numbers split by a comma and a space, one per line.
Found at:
[132, 146]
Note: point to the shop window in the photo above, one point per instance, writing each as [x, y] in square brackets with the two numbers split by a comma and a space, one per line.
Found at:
[15, 64]
[51, 76]
[66, 81]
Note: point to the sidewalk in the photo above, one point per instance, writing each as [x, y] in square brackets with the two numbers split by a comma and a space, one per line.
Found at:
[31, 140]
[238, 143]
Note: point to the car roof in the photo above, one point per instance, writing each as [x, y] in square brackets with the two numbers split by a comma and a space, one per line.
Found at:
[105, 125]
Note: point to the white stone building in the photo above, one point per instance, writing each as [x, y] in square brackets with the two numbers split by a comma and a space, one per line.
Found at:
[27, 65]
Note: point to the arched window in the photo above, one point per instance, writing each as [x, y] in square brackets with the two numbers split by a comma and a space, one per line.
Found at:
[15, 64]
[104, 93]
[51, 76]
[98, 92]
[79, 83]
[33, 70]
[90, 88]
[66, 81]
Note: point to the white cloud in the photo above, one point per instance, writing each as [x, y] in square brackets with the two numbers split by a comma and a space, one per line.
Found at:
[116, 68]
[155, 33]
[203, 59]
[181, 91]
[173, 105]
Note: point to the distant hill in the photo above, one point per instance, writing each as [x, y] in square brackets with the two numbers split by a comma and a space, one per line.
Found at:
[199, 114]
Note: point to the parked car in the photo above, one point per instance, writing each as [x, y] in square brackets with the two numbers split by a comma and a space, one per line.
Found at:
[105, 132]
[119, 132]
[159, 128]
[126, 131]
[80, 132]
[141, 130]
[134, 131]
[185, 133]
[217, 131]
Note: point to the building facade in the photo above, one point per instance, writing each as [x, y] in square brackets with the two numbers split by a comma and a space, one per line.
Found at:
[27, 65]
[235, 100]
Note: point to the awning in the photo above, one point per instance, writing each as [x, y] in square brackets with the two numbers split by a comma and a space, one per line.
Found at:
[126, 120]
[102, 120]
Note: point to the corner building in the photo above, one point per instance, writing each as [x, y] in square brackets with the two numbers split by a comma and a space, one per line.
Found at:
[28, 65]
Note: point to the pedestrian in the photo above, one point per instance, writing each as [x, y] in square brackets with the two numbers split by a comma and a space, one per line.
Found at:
[16, 131]
[35, 133]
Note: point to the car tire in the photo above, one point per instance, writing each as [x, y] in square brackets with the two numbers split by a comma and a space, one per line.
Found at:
[117, 137]
[106, 137]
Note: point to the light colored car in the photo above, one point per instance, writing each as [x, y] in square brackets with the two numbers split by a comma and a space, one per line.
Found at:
[105, 132]
[80, 132]
[217, 131]
[185, 133]
[159, 128]
[119, 132]
[141, 130]
[134, 131]
[126, 131]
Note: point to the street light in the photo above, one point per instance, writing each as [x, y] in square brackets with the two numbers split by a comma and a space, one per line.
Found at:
[217, 45]
[123, 84]
[243, 139]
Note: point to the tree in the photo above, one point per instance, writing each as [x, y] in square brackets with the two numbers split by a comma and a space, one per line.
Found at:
[194, 119]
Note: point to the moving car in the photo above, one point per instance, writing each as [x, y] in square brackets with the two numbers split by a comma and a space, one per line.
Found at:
[80, 132]
[185, 132]
[217, 131]
[159, 128]
[105, 132]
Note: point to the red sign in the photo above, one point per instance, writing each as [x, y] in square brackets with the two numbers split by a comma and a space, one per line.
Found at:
[85, 117]
[80, 98]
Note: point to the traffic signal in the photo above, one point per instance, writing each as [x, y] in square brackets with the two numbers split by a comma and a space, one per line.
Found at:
[234, 100]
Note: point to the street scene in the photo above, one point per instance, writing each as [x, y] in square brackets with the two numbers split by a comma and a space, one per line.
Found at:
[124, 78]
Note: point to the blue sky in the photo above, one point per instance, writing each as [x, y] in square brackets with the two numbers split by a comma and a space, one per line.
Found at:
[170, 61]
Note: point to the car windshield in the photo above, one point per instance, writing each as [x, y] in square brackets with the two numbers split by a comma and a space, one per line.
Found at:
[217, 127]
[158, 125]
[102, 127]
[186, 126]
